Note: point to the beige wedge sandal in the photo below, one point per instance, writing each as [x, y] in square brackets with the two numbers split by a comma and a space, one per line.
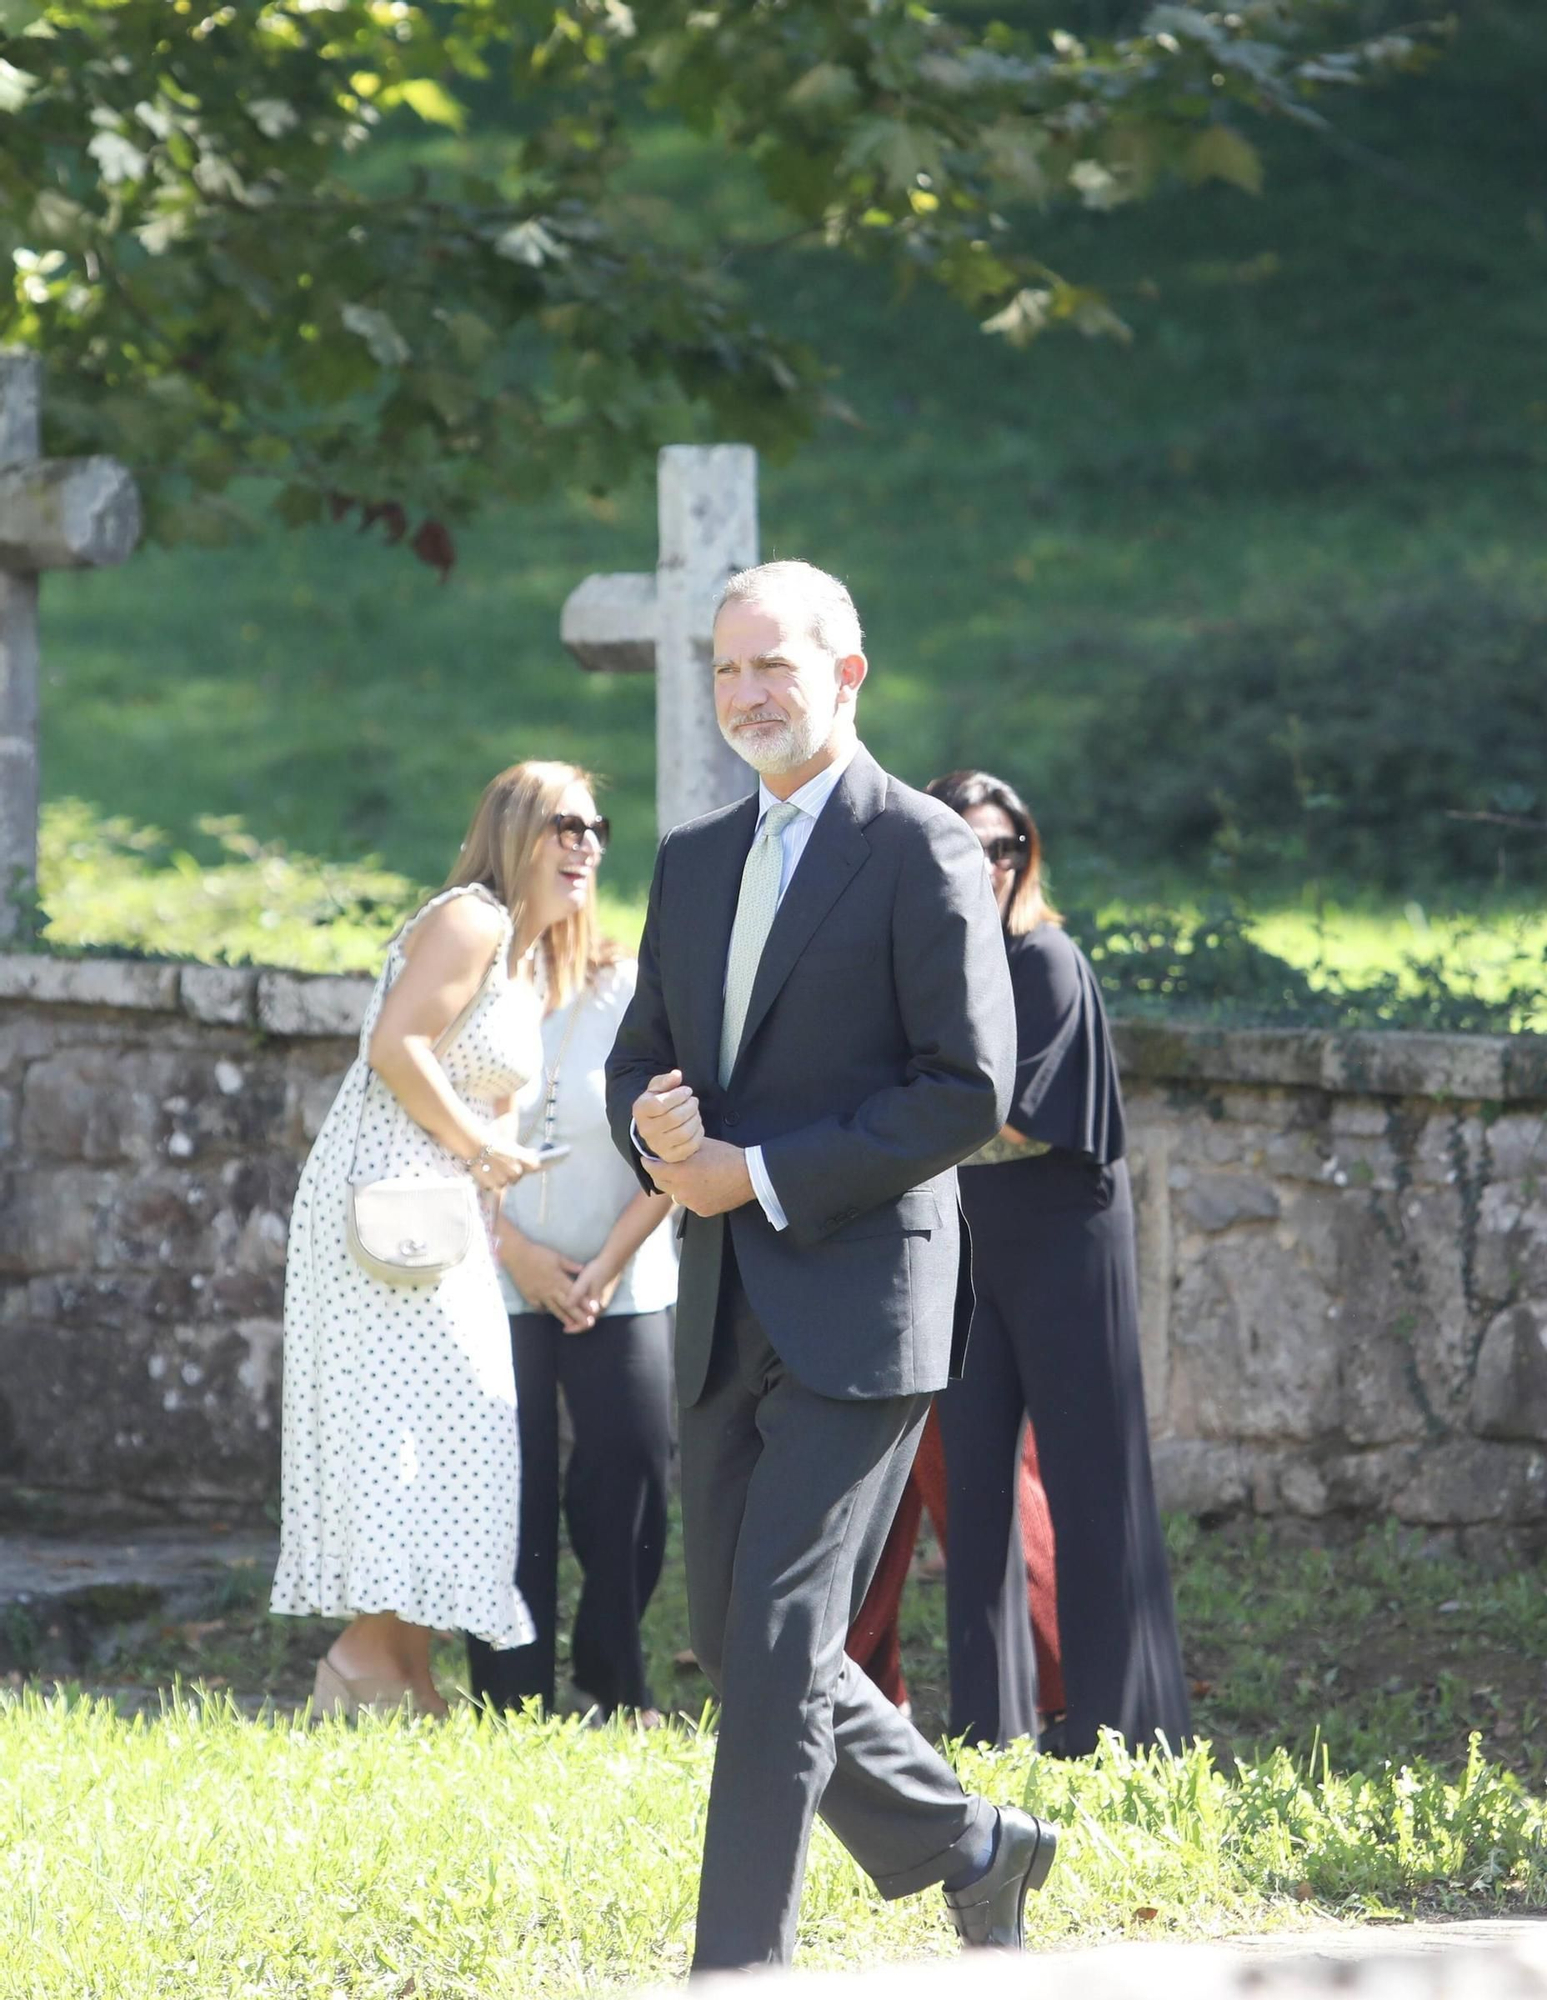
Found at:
[334, 1694]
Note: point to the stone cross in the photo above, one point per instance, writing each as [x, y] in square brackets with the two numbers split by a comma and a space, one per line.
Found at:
[55, 513]
[707, 510]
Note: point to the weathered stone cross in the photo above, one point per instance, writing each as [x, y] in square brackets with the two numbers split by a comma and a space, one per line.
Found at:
[55, 513]
[707, 510]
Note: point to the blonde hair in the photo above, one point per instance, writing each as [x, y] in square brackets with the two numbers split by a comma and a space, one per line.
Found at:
[513, 818]
[824, 601]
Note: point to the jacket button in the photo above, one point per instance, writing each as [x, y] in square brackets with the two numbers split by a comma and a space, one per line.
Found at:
[730, 1121]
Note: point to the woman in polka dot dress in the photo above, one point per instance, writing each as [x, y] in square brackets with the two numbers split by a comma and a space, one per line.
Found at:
[401, 1467]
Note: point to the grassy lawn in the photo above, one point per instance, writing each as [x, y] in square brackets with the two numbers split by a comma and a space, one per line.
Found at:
[210, 1854]
[1332, 406]
[204, 1851]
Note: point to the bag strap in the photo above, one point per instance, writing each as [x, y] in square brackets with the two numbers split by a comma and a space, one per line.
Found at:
[443, 1041]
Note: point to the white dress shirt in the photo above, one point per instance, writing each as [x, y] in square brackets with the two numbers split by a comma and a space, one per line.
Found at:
[811, 798]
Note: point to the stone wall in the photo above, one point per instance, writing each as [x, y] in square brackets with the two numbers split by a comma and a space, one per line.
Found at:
[1343, 1247]
[153, 1119]
[1343, 1271]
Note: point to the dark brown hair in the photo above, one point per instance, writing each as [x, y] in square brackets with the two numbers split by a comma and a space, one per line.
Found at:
[961, 790]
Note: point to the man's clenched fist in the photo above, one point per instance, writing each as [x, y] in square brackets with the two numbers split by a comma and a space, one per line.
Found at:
[666, 1117]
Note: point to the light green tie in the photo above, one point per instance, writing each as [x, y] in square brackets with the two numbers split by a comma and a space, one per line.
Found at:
[755, 909]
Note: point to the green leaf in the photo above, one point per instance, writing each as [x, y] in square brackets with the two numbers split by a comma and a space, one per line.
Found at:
[826, 86]
[118, 158]
[1014, 149]
[1221, 154]
[16, 86]
[1027, 315]
[471, 336]
[434, 104]
[530, 243]
[900, 151]
[386, 344]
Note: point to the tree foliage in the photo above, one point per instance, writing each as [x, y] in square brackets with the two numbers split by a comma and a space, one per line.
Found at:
[238, 267]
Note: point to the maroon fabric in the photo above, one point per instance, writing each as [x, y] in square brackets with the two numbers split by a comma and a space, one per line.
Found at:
[873, 1641]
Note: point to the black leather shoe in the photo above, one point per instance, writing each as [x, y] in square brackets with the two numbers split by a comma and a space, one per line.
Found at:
[991, 1912]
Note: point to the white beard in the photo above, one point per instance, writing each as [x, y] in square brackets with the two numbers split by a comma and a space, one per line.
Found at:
[772, 751]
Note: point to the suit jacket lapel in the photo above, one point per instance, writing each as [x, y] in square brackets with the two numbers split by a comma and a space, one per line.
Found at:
[835, 852]
[715, 895]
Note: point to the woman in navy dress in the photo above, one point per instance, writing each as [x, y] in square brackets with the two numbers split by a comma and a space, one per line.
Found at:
[1055, 1341]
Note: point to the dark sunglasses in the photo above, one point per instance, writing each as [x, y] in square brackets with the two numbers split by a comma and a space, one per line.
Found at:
[1009, 847]
[572, 830]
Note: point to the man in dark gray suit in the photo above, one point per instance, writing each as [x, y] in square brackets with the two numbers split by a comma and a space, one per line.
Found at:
[823, 1027]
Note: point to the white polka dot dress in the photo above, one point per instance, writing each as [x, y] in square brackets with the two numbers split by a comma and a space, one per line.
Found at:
[401, 1468]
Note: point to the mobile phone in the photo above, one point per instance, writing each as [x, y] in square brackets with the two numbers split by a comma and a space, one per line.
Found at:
[549, 1156]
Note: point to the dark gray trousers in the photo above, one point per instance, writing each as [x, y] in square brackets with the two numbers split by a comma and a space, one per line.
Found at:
[787, 1497]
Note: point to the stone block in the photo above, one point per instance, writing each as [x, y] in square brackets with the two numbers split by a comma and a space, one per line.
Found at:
[1376, 1309]
[609, 624]
[92, 1104]
[289, 1003]
[107, 1301]
[1198, 1476]
[1394, 1064]
[1301, 1489]
[1152, 1227]
[1168, 1051]
[233, 1107]
[88, 982]
[53, 1219]
[1297, 1155]
[1467, 1480]
[313, 1099]
[219, 994]
[1216, 1202]
[1435, 1229]
[162, 1218]
[173, 1412]
[1510, 1255]
[1509, 1392]
[1253, 1352]
[1517, 1146]
[1358, 1118]
[25, 1035]
[1525, 1069]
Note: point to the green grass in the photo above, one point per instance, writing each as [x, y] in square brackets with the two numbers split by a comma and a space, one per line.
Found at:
[1372, 1711]
[205, 1853]
[1333, 397]
[116, 886]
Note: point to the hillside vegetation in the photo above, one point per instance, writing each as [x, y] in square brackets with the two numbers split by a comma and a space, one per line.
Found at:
[1255, 603]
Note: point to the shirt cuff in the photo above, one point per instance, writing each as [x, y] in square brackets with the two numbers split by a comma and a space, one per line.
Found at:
[763, 1188]
[639, 1144]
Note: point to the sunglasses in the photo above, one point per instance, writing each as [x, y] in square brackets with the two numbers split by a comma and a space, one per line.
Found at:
[1008, 848]
[572, 830]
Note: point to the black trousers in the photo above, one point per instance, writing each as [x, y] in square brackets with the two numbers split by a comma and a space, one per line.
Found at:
[1056, 1335]
[616, 1382]
[787, 1497]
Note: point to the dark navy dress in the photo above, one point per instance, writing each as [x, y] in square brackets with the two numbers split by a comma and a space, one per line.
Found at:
[1055, 1339]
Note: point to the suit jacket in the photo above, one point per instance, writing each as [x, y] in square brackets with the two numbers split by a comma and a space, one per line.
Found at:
[879, 1050]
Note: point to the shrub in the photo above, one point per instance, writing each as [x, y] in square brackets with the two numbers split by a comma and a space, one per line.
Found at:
[1355, 739]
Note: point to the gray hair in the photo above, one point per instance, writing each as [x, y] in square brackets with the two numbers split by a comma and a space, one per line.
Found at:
[800, 586]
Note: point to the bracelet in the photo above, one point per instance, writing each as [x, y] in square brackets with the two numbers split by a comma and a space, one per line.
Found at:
[479, 1163]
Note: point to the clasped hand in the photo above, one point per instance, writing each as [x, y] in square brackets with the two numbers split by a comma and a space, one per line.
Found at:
[704, 1175]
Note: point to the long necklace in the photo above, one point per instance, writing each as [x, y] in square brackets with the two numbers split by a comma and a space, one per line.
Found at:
[551, 1100]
